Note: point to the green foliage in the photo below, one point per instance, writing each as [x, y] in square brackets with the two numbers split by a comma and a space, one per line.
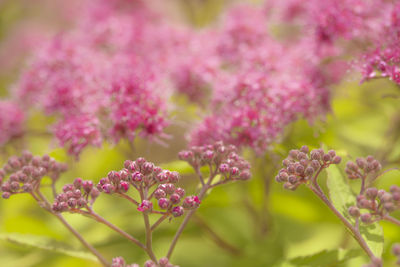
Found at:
[342, 198]
[340, 192]
[45, 243]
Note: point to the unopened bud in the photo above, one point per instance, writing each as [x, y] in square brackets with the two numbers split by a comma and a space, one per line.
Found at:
[366, 218]
[326, 157]
[177, 211]
[354, 211]
[163, 203]
[371, 193]
[336, 160]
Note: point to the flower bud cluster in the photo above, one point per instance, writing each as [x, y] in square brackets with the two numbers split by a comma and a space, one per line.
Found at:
[120, 262]
[224, 159]
[25, 173]
[396, 252]
[169, 197]
[76, 196]
[301, 165]
[141, 174]
[362, 167]
[377, 203]
[163, 262]
[138, 173]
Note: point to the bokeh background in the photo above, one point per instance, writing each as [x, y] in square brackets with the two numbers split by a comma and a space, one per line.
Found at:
[259, 222]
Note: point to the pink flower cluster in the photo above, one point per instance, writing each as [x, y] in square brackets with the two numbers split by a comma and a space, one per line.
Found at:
[263, 84]
[260, 69]
[12, 119]
[266, 81]
[103, 79]
[25, 173]
[384, 60]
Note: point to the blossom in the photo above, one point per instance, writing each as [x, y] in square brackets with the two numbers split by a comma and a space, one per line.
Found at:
[12, 120]
[102, 79]
[77, 132]
[384, 59]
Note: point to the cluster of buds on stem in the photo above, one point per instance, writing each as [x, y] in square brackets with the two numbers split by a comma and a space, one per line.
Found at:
[26, 172]
[139, 174]
[362, 168]
[78, 195]
[220, 159]
[169, 196]
[377, 204]
[143, 176]
[301, 165]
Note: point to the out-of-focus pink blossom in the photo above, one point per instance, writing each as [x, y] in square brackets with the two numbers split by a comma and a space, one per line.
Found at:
[76, 132]
[263, 84]
[106, 73]
[11, 121]
[384, 60]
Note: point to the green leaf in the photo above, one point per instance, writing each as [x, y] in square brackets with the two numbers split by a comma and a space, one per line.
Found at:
[340, 192]
[178, 165]
[326, 258]
[342, 198]
[373, 235]
[45, 243]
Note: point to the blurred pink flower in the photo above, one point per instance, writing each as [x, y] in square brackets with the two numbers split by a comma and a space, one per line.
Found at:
[11, 121]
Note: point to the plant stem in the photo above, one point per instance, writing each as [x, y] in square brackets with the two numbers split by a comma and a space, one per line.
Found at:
[128, 198]
[160, 220]
[82, 240]
[115, 228]
[147, 227]
[47, 207]
[187, 218]
[391, 219]
[356, 234]
[149, 248]
[217, 239]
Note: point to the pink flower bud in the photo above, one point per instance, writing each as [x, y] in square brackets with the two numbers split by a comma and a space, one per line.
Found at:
[124, 186]
[159, 193]
[224, 168]
[169, 189]
[175, 198]
[177, 211]
[145, 206]
[163, 203]
[180, 192]
[174, 177]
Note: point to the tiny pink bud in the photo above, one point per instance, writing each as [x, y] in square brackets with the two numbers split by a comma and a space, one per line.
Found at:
[169, 189]
[145, 206]
[137, 177]
[234, 171]
[159, 193]
[366, 217]
[354, 211]
[180, 192]
[163, 203]
[173, 177]
[224, 168]
[336, 160]
[124, 186]
[175, 198]
[6, 195]
[177, 211]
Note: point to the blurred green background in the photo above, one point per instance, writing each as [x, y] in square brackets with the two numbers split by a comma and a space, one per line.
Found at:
[260, 222]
